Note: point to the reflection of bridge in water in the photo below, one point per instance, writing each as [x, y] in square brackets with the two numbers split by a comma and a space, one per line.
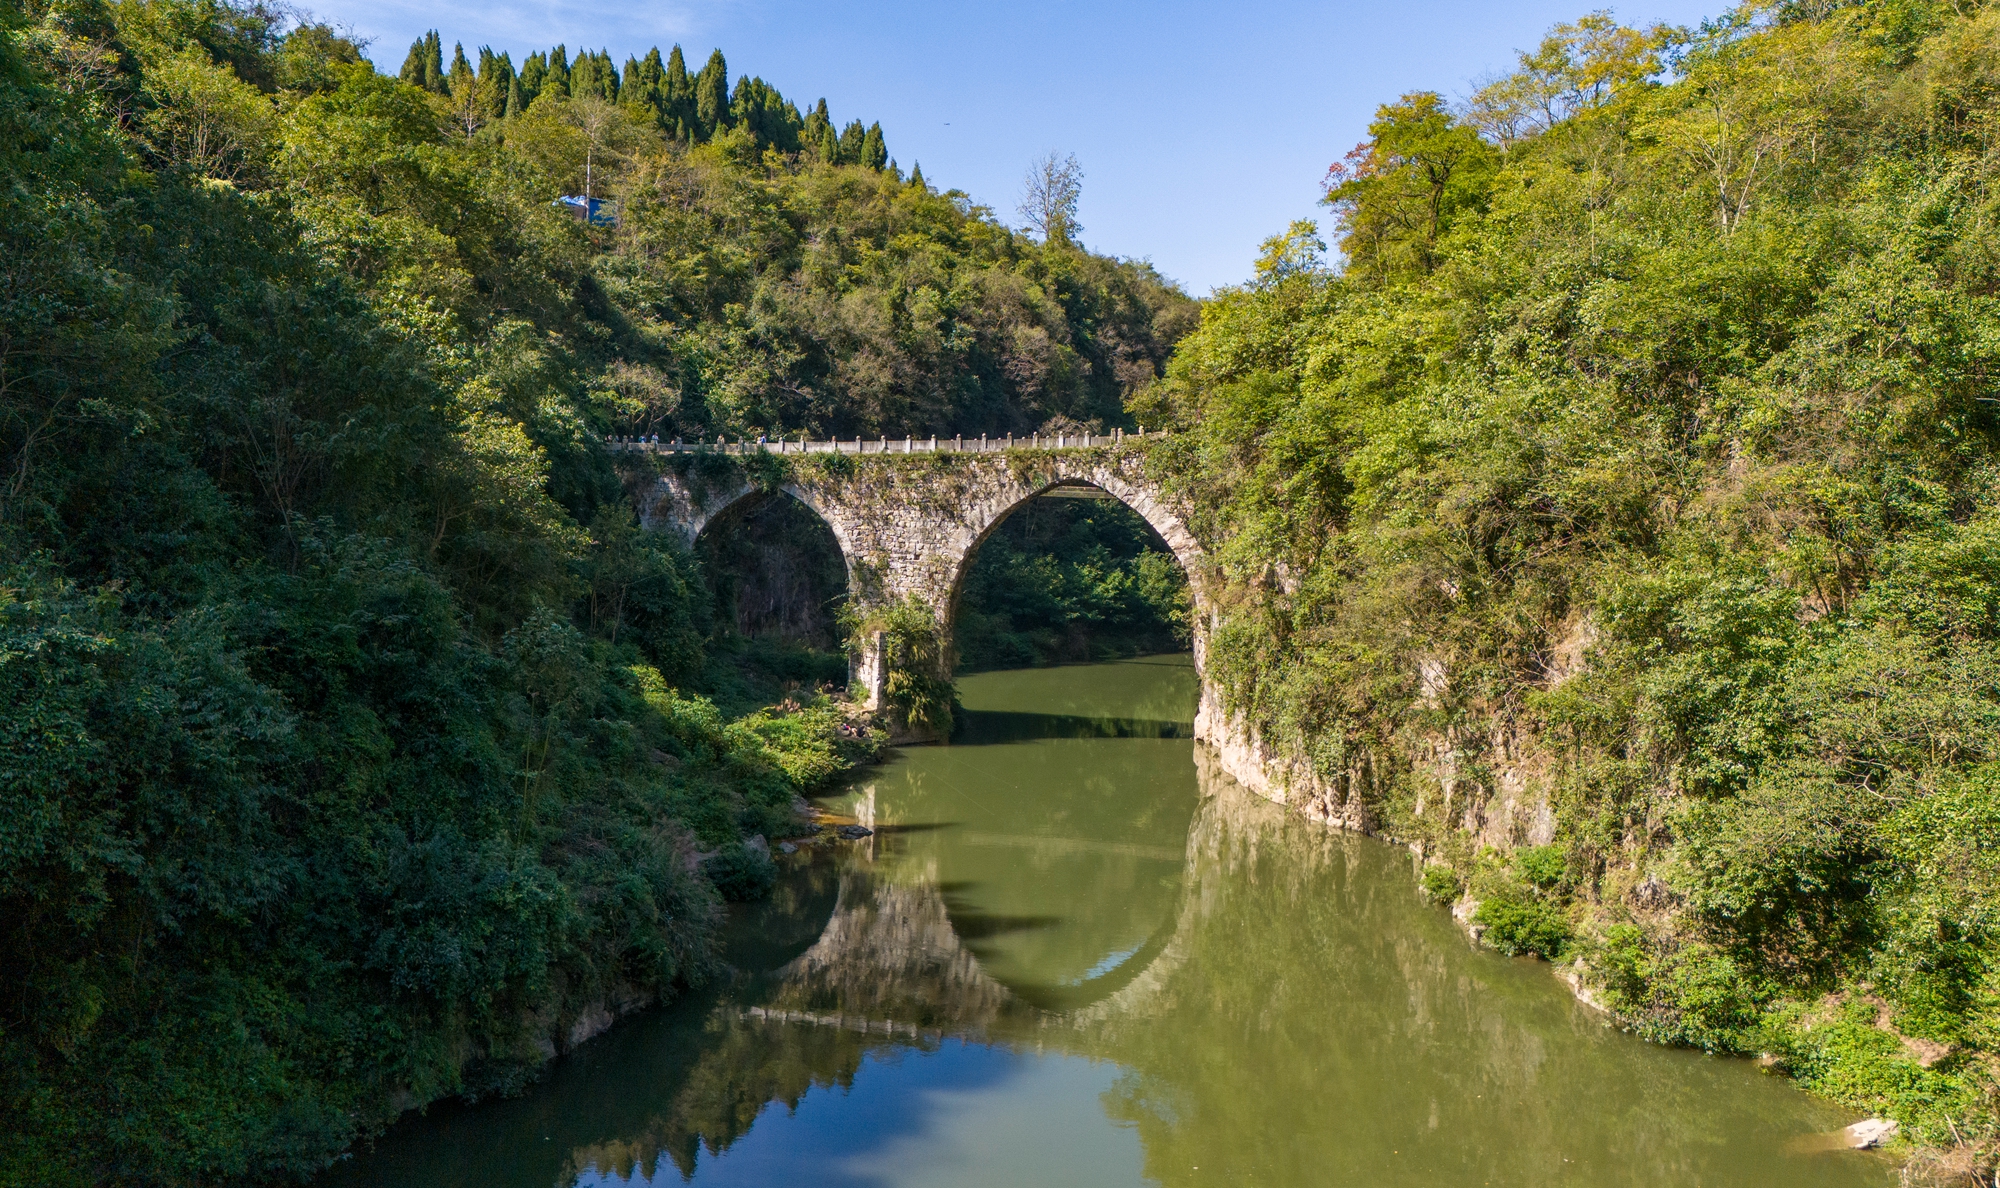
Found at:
[1298, 1017]
[891, 963]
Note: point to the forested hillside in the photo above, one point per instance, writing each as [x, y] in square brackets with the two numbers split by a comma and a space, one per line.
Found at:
[1637, 457]
[353, 748]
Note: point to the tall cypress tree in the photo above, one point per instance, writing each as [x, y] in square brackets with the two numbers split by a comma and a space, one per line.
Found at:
[516, 101]
[711, 96]
[600, 75]
[534, 72]
[874, 153]
[678, 119]
[413, 66]
[816, 124]
[558, 79]
[496, 71]
[433, 63]
[641, 92]
[461, 76]
[917, 177]
[852, 138]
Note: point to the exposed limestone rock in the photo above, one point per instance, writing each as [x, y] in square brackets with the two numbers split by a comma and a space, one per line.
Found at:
[1870, 1132]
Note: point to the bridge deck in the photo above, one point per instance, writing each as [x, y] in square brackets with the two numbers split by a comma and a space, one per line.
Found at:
[982, 444]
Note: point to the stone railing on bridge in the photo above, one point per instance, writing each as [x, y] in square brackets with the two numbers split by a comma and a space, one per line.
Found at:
[983, 444]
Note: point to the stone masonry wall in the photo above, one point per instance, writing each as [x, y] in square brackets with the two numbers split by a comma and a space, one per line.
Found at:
[908, 524]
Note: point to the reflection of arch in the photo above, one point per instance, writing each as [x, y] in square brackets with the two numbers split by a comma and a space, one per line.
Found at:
[890, 955]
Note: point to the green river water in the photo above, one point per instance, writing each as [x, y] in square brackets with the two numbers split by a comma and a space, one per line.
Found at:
[1074, 953]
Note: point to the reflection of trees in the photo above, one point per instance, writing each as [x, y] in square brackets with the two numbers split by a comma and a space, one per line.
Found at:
[1303, 1020]
[1314, 1023]
[745, 1065]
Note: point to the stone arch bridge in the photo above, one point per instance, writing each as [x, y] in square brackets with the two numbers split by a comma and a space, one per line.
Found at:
[909, 514]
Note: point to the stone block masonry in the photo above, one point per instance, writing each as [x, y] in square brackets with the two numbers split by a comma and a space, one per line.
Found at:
[909, 519]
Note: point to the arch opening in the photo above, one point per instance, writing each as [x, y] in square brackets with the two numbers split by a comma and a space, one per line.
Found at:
[776, 578]
[1070, 572]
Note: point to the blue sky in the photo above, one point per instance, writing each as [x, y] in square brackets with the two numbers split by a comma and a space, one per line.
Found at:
[1202, 127]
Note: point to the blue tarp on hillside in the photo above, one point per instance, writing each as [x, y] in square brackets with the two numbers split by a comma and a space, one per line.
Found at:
[595, 211]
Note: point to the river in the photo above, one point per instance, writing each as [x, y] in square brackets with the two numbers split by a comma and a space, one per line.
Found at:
[1075, 953]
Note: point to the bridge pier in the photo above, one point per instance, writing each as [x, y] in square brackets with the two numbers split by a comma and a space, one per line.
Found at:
[868, 670]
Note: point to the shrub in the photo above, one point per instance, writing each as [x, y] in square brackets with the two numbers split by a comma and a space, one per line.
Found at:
[1541, 867]
[1441, 884]
[1518, 927]
[742, 874]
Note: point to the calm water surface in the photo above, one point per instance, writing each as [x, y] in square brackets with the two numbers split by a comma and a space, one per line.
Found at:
[1073, 953]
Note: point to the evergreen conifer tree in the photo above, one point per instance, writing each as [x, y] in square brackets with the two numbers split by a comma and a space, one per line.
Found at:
[678, 109]
[433, 63]
[604, 80]
[413, 65]
[558, 78]
[516, 101]
[874, 153]
[711, 96]
[641, 92]
[917, 176]
[534, 71]
[851, 139]
[496, 74]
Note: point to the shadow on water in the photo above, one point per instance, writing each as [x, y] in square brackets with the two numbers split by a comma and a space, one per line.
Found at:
[980, 727]
[1092, 958]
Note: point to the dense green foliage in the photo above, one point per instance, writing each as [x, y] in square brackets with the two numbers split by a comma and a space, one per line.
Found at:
[1070, 579]
[1642, 450]
[352, 744]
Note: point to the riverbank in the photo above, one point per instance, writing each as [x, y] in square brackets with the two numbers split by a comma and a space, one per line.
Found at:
[1072, 948]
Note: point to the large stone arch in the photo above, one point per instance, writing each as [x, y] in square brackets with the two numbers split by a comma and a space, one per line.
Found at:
[1141, 496]
[908, 524]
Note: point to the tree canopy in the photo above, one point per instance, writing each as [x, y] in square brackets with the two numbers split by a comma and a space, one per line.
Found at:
[345, 701]
[1638, 448]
